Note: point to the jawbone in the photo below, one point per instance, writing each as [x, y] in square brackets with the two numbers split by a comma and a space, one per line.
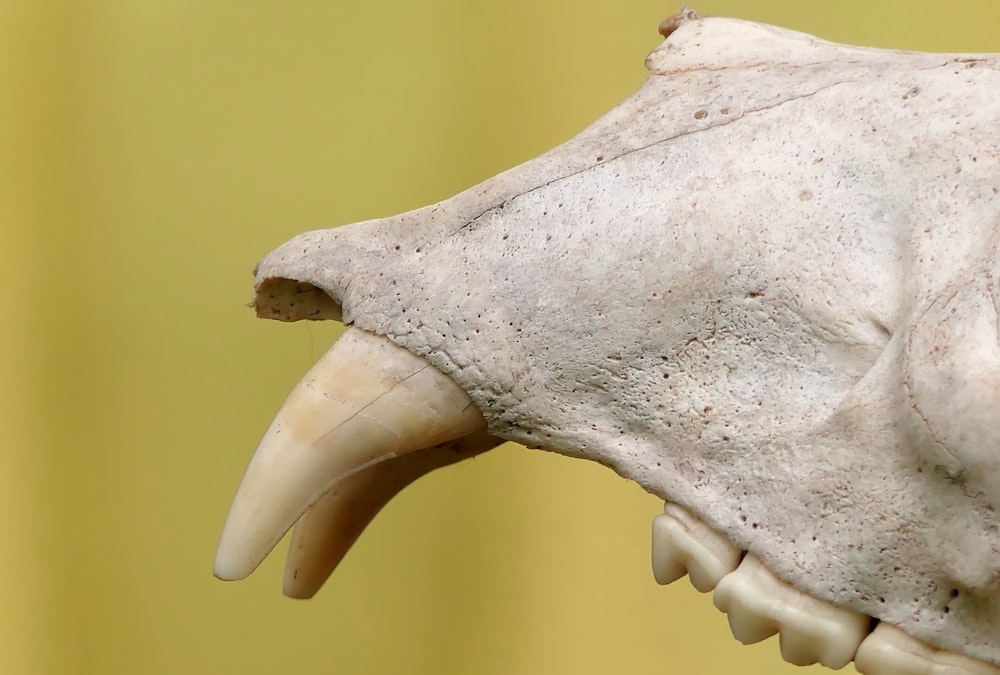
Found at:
[765, 288]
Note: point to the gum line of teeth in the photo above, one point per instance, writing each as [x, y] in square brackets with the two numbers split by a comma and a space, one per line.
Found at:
[759, 605]
[325, 456]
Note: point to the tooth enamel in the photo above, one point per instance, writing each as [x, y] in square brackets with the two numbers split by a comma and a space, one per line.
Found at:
[329, 527]
[890, 651]
[683, 544]
[366, 400]
[759, 605]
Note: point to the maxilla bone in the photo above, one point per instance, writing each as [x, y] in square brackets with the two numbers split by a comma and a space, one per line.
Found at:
[764, 288]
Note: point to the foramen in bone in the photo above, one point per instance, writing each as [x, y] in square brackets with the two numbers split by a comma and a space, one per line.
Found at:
[765, 288]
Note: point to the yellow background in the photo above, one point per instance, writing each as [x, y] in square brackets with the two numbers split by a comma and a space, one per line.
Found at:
[150, 152]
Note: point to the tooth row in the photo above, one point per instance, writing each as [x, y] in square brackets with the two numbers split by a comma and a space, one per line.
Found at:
[682, 544]
[758, 605]
[890, 651]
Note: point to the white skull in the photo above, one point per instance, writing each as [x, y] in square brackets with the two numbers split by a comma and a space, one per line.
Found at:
[766, 288]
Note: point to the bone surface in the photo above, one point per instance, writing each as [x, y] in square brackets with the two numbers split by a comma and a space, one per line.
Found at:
[764, 287]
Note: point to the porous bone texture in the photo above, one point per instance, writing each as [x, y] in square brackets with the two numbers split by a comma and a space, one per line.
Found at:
[763, 287]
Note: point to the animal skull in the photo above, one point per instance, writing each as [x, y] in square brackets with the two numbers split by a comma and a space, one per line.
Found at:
[766, 288]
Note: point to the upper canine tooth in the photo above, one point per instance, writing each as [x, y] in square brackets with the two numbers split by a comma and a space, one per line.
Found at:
[330, 526]
[890, 651]
[684, 544]
[365, 401]
[758, 605]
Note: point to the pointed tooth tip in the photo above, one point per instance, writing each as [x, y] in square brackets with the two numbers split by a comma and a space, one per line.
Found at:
[226, 572]
[229, 565]
[292, 588]
[365, 401]
[223, 575]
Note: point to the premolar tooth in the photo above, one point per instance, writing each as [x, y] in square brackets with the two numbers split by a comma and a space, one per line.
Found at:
[683, 544]
[365, 401]
[758, 605]
[329, 527]
[890, 651]
[746, 596]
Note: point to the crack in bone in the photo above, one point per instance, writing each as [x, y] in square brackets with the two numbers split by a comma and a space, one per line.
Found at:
[736, 320]
[609, 160]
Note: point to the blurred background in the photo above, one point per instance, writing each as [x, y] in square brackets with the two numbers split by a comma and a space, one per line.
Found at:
[150, 153]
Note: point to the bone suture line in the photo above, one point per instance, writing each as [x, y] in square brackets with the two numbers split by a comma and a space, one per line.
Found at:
[762, 287]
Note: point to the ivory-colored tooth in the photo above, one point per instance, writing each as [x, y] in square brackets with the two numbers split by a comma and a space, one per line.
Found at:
[683, 544]
[745, 595]
[890, 651]
[814, 631]
[326, 531]
[758, 605]
[365, 401]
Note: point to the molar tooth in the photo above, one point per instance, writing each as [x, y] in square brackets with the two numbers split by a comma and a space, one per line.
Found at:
[683, 544]
[365, 401]
[890, 651]
[758, 605]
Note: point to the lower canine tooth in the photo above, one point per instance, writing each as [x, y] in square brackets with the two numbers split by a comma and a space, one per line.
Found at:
[325, 532]
[364, 402]
[682, 544]
[890, 651]
[758, 605]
